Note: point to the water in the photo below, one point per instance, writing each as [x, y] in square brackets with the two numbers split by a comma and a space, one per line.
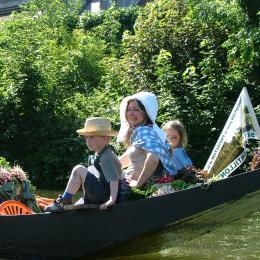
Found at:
[237, 240]
[231, 231]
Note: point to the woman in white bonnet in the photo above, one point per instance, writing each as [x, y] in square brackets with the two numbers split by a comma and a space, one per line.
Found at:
[144, 140]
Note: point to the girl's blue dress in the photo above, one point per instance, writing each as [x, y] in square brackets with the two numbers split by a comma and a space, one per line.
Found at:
[180, 158]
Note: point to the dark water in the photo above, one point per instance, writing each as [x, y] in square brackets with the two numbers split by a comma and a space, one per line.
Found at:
[231, 231]
[237, 240]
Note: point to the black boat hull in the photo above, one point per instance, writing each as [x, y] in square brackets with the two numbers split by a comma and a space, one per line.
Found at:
[76, 233]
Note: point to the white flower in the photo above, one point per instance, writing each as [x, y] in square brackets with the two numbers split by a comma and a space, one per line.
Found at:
[163, 189]
[5, 176]
[18, 172]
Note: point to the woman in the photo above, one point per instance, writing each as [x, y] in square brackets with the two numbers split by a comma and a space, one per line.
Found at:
[144, 140]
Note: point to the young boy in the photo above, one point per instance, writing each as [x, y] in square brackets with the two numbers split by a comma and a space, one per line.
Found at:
[100, 180]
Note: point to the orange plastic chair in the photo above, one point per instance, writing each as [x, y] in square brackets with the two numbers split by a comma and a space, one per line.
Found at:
[13, 207]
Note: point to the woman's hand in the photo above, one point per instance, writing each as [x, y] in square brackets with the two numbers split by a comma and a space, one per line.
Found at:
[134, 184]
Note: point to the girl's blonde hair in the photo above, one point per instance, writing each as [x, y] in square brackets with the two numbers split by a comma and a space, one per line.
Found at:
[179, 127]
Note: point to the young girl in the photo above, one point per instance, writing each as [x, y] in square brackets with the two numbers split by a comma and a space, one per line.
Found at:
[177, 140]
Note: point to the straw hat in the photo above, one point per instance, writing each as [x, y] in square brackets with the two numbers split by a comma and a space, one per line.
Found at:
[97, 126]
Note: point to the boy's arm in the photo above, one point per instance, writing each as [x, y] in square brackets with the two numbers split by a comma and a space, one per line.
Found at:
[150, 164]
[113, 195]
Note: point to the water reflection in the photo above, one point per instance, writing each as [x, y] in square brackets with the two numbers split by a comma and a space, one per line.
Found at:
[230, 231]
[237, 240]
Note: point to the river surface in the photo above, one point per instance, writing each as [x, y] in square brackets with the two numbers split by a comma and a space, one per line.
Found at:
[237, 240]
[228, 232]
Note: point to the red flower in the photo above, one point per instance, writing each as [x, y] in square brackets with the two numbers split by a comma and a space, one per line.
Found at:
[164, 179]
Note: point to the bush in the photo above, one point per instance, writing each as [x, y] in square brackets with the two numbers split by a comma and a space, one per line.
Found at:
[46, 64]
[188, 53]
[110, 25]
[57, 68]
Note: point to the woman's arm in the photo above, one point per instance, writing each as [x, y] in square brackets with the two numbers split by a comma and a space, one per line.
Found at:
[124, 159]
[113, 195]
[150, 165]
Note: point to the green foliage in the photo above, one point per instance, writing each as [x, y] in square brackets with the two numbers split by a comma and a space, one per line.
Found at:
[194, 55]
[57, 68]
[141, 193]
[150, 188]
[45, 61]
[252, 8]
[110, 25]
[4, 164]
[180, 185]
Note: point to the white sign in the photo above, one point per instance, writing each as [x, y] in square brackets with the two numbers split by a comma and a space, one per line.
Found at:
[229, 152]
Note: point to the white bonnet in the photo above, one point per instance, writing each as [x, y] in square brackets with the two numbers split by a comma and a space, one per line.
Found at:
[150, 103]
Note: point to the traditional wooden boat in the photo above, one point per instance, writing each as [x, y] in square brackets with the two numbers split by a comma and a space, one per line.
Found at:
[81, 232]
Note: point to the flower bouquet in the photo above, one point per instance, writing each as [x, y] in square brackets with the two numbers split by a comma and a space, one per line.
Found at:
[15, 185]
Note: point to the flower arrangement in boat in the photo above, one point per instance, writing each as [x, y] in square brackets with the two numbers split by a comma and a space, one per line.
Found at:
[12, 174]
[15, 185]
[187, 177]
[18, 173]
[164, 179]
[162, 189]
[255, 164]
[5, 176]
[191, 174]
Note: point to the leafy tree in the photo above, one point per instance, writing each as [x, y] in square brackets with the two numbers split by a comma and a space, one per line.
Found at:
[57, 68]
[46, 63]
[252, 8]
[188, 53]
[109, 25]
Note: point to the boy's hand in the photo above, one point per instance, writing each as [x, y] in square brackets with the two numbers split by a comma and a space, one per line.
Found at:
[103, 206]
[113, 195]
